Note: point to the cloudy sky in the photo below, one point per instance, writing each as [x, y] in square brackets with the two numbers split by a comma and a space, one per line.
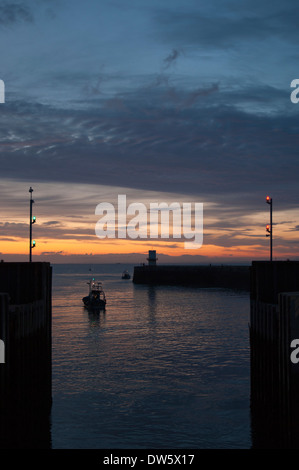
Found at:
[180, 100]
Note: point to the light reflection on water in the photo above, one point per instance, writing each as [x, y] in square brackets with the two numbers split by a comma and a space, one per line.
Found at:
[163, 367]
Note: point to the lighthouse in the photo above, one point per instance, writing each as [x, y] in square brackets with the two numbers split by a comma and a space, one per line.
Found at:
[152, 258]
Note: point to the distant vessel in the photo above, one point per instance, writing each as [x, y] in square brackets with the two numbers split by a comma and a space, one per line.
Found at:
[96, 297]
[126, 275]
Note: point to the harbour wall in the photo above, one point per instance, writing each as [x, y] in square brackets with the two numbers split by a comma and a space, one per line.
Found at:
[237, 277]
[26, 374]
[274, 323]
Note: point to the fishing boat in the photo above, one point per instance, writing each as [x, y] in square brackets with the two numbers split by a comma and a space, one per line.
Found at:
[126, 275]
[96, 297]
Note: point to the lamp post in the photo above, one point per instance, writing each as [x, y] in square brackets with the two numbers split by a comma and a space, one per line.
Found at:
[32, 221]
[269, 228]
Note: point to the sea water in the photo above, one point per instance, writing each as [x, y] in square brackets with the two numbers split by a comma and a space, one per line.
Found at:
[162, 367]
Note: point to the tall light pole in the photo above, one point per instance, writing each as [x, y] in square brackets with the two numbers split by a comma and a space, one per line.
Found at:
[32, 221]
[269, 228]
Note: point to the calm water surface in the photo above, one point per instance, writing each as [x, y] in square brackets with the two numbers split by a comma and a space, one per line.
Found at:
[163, 367]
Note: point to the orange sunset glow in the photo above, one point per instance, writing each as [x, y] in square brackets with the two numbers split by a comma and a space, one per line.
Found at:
[64, 230]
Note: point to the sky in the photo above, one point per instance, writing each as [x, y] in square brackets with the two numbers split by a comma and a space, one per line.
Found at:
[161, 101]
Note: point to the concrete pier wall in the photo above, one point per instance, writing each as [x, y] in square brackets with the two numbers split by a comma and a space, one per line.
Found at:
[274, 322]
[269, 279]
[194, 275]
[26, 375]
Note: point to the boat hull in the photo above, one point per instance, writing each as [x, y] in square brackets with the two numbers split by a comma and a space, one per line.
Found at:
[93, 303]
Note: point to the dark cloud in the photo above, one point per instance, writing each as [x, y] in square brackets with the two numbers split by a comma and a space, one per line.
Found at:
[10, 231]
[52, 222]
[225, 26]
[11, 13]
[13, 229]
[201, 141]
[171, 58]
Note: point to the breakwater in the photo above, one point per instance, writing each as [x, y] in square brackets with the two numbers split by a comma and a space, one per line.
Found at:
[274, 323]
[26, 374]
[237, 277]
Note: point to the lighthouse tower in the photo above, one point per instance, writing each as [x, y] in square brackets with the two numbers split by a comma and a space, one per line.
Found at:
[152, 258]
